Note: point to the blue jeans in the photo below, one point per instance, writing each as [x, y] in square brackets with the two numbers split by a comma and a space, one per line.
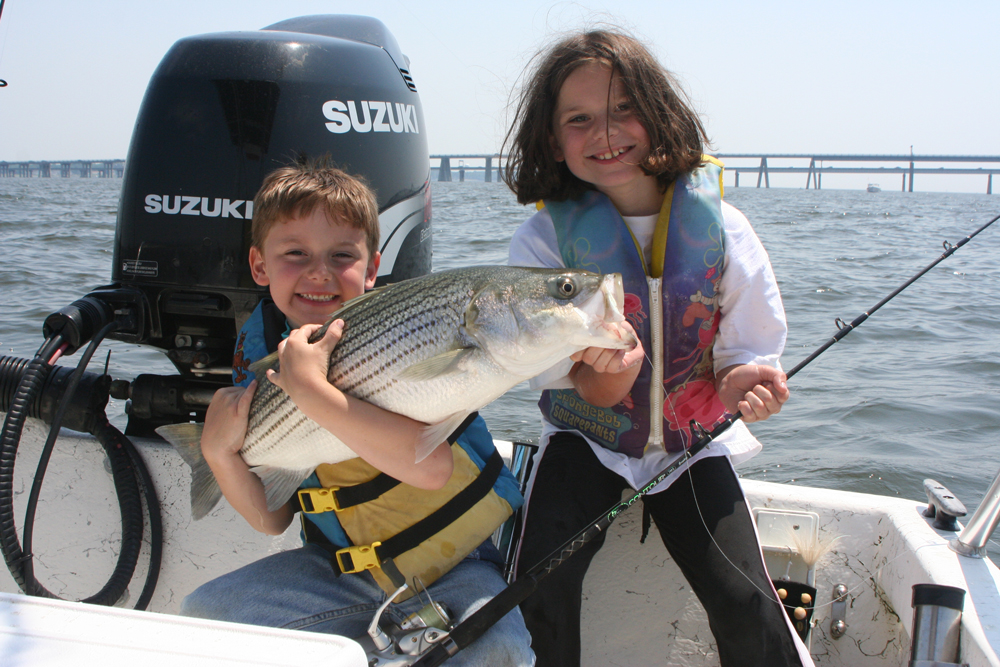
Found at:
[298, 590]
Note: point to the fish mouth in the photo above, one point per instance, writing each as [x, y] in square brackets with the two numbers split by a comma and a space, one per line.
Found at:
[612, 155]
[603, 312]
[614, 296]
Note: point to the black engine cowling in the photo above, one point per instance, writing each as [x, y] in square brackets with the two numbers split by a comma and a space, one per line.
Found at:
[221, 111]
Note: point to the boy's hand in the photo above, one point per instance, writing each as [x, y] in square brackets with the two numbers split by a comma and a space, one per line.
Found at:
[757, 391]
[304, 365]
[226, 421]
[606, 360]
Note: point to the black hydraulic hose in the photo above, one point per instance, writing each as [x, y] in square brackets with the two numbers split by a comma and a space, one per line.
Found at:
[475, 625]
[128, 472]
[110, 436]
[30, 383]
[126, 490]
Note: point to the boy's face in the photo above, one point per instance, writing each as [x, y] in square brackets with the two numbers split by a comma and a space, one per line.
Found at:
[312, 265]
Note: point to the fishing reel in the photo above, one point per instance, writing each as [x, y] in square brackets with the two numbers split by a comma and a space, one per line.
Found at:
[402, 645]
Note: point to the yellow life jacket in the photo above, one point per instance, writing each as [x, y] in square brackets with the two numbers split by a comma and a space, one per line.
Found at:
[401, 532]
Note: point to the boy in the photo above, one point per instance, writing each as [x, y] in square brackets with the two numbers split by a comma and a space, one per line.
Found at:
[315, 246]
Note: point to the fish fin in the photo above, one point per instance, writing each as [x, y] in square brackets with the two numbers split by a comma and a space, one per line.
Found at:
[433, 435]
[280, 483]
[186, 439]
[353, 303]
[260, 367]
[472, 311]
[344, 309]
[438, 365]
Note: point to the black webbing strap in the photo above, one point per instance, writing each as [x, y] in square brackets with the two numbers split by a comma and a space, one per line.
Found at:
[445, 515]
[351, 496]
[453, 438]
[420, 531]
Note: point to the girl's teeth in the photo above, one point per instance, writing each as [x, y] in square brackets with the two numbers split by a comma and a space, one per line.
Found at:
[608, 156]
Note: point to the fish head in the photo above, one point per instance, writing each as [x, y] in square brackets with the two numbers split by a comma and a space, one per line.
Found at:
[543, 316]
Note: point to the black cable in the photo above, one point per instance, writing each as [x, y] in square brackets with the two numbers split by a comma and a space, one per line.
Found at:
[152, 503]
[128, 472]
[125, 486]
[31, 381]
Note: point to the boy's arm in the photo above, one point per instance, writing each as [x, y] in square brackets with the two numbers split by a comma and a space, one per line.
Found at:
[221, 440]
[603, 377]
[384, 439]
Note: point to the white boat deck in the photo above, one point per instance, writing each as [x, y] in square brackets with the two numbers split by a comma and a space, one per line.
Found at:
[36, 632]
[637, 609]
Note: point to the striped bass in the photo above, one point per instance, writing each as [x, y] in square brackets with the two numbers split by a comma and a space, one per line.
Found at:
[434, 348]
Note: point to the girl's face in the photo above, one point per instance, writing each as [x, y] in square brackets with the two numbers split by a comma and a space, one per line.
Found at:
[601, 139]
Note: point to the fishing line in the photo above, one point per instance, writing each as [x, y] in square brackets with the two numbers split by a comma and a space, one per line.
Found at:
[476, 624]
[843, 329]
[766, 592]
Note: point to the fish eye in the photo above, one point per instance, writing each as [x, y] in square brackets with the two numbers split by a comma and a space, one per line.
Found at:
[564, 287]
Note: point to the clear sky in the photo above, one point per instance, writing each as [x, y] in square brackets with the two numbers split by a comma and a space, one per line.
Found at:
[805, 76]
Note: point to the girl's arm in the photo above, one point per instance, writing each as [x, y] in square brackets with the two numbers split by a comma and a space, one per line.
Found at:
[603, 377]
[752, 329]
[221, 440]
[386, 440]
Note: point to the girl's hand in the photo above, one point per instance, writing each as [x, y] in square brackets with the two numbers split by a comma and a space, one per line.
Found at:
[226, 422]
[605, 360]
[756, 391]
[303, 365]
[604, 377]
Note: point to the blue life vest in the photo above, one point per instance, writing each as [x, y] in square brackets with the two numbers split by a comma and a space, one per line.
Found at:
[673, 306]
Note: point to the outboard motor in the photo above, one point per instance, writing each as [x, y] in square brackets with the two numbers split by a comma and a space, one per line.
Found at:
[222, 111]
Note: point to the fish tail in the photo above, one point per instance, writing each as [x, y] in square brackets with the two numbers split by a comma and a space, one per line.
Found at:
[186, 439]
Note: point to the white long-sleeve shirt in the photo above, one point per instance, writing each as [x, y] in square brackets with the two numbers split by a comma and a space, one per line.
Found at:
[752, 329]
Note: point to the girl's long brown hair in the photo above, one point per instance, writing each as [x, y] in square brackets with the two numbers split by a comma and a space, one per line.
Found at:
[677, 137]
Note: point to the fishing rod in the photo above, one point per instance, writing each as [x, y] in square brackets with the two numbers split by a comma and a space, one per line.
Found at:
[3, 84]
[475, 625]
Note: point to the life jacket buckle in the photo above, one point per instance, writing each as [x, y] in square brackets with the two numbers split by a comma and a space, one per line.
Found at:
[314, 501]
[358, 559]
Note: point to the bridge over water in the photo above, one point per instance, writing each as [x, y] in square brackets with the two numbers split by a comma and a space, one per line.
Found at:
[811, 165]
[64, 168]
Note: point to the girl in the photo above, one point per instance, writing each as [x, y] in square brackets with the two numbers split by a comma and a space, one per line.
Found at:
[605, 141]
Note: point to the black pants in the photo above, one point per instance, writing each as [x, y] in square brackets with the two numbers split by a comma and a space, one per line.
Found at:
[572, 488]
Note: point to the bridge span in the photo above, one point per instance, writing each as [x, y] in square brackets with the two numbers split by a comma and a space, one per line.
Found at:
[63, 168]
[811, 165]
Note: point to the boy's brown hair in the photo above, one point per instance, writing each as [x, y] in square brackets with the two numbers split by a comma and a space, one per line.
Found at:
[294, 191]
[677, 137]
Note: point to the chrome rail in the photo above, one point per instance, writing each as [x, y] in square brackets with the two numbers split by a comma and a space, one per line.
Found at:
[971, 542]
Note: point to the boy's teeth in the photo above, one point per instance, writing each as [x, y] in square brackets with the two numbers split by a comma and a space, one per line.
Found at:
[318, 297]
